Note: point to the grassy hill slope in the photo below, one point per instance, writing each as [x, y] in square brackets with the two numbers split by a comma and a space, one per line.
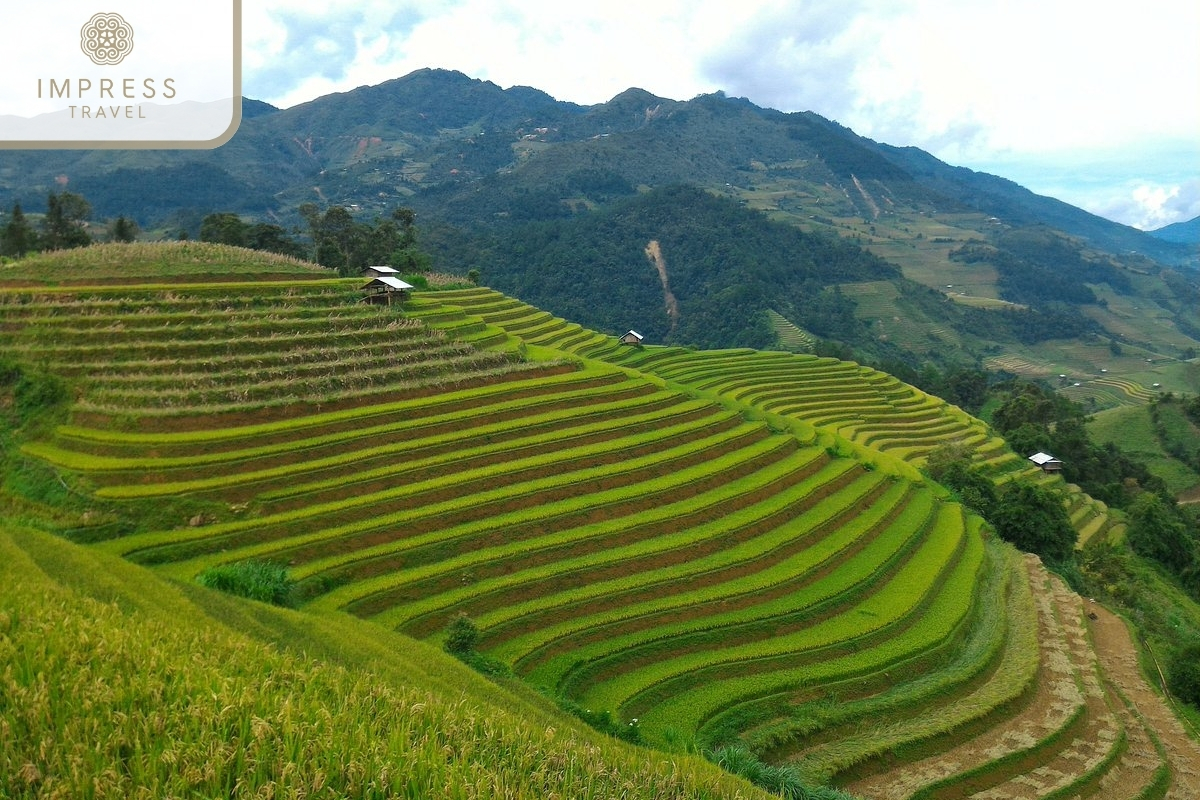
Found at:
[696, 548]
[119, 684]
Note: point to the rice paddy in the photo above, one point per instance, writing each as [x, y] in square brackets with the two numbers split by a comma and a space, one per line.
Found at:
[709, 546]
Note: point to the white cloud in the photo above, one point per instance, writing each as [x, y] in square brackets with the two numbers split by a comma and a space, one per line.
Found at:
[1150, 206]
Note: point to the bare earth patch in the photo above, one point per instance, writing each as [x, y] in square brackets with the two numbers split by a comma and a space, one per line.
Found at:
[1083, 647]
[1118, 659]
[654, 253]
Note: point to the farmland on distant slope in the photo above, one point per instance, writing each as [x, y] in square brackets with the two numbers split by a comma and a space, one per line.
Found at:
[707, 546]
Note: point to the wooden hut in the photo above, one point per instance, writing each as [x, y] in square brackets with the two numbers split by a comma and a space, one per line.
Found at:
[631, 337]
[380, 272]
[386, 289]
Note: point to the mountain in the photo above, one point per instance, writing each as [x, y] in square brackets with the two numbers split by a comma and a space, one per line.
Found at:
[553, 202]
[438, 131]
[1180, 232]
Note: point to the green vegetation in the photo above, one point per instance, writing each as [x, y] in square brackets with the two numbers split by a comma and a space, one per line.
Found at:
[119, 684]
[785, 781]
[255, 580]
[341, 243]
[689, 549]
[1133, 430]
[1034, 520]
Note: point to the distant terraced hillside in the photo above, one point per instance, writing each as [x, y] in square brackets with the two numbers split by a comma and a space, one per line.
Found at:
[710, 546]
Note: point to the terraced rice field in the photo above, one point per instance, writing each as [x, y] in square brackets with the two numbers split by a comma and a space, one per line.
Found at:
[877, 305]
[791, 338]
[704, 544]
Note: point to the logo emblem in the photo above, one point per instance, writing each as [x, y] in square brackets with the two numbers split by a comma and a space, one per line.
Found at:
[106, 39]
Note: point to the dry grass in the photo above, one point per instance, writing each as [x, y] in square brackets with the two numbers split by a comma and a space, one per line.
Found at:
[101, 262]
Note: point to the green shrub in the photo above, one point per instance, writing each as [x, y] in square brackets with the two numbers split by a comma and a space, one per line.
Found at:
[461, 636]
[1183, 674]
[602, 721]
[256, 580]
[37, 391]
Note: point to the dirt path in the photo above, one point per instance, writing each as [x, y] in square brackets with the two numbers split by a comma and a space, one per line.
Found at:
[1056, 700]
[1088, 661]
[1118, 659]
[654, 253]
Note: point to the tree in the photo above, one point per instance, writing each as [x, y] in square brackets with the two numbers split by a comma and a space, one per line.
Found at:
[18, 236]
[1156, 532]
[65, 223]
[273, 239]
[122, 229]
[336, 238]
[1035, 521]
[223, 228]
[461, 636]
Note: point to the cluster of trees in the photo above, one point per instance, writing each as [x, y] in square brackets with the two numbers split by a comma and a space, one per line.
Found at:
[1034, 418]
[1027, 515]
[64, 226]
[347, 245]
[336, 239]
[228, 228]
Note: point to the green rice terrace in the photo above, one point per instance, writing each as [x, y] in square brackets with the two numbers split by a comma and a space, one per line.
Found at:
[699, 549]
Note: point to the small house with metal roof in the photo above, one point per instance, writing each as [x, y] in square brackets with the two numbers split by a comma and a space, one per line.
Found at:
[386, 289]
[1047, 462]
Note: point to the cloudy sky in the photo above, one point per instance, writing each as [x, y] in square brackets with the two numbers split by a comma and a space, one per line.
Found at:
[1096, 103]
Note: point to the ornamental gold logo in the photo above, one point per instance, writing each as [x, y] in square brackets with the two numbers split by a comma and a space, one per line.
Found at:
[106, 39]
[73, 79]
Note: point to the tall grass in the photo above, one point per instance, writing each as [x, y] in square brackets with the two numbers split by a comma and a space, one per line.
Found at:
[254, 580]
[151, 259]
[121, 699]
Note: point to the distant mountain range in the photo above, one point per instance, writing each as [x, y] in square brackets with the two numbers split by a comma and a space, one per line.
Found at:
[429, 138]
[545, 197]
[1180, 232]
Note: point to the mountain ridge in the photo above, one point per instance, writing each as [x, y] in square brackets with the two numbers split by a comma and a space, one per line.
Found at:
[278, 151]
[983, 271]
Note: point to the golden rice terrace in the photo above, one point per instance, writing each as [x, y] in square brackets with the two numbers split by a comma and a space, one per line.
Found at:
[710, 546]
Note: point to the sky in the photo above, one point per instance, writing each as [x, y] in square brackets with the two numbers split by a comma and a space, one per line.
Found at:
[1095, 103]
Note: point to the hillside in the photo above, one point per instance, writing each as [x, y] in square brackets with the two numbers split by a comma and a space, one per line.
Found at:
[970, 269]
[120, 684]
[688, 548]
[1180, 232]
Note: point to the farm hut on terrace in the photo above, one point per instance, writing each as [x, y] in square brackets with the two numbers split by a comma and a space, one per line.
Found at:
[380, 272]
[386, 289]
[631, 337]
[1047, 462]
